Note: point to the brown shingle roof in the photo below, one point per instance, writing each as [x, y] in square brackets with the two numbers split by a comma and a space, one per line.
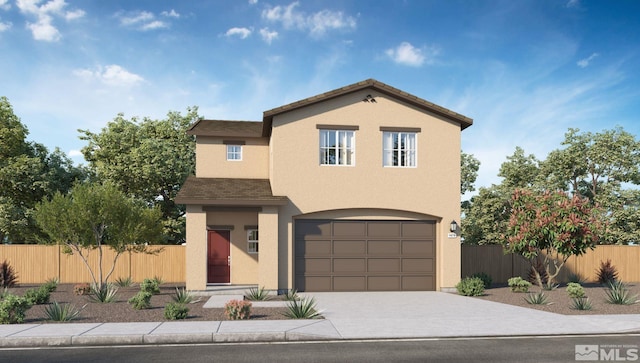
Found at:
[373, 84]
[226, 128]
[228, 191]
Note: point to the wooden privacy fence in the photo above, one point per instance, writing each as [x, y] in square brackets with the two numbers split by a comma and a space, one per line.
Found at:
[35, 264]
[491, 260]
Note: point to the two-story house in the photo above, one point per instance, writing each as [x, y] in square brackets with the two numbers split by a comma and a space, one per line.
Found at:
[355, 189]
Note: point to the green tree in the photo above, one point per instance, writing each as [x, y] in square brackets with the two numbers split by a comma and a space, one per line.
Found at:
[469, 167]
[552, 225]
[148, 159]
[28, 173]
[520, 170]
[93, 217]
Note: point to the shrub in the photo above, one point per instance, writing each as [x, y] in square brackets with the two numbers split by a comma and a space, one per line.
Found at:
[176, 311]
[82, 289]
[62, 312]
[13, 309]
[51, 284]
[151, 286]
[183, 296]
[141, 300]
[518, 284]
[580, 303]
[486, 279]
[618, 293]
[304, 309]
[238, 309]
[291, 295]
[257, 294]
[103, 294]
[158, 280]
[538, 298]
[550, 286]
[8, 276]
[576, 277]
[470, 286]
[38, 296]
[538, 266]
[575, 290]
[607, 273]
[124, 281]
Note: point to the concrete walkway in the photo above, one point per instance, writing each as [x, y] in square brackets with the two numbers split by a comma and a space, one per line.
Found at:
[370, 315]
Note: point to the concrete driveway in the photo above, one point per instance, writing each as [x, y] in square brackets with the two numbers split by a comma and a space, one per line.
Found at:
[362, 315]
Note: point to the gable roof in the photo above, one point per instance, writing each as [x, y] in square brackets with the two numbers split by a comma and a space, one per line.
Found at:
[228, 192]
[226, 128]
[464, 121]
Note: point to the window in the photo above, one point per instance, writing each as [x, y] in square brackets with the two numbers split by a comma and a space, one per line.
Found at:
[399, 149]
[234, 152]
[337, 147]
[252, 241]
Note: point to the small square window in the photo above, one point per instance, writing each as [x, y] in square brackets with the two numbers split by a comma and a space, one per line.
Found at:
[252, 241]
[399, 149]
[234, 152]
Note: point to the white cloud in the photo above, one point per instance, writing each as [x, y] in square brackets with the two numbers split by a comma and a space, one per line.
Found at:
[112, 75]
[243, 33]
[583, 63]
[253, 2]
[267, 35]
[74, 153]
[170, 14]
[407, 54]
[136, 18]
[156, 24]
[43, 28]
[317, 23]
[5, 26]
[4, 5]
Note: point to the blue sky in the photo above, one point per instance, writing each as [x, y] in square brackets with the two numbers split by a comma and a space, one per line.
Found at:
[525, 71]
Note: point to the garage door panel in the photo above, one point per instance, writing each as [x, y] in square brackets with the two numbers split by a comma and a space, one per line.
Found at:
[313, 227]
[315, 265]
[349, 247]
[312, 248]
[377, 265]
[418, 283]
[316, 283]
[424, 247]
[420, 230]
[349, 228]
[417, 265]
[349, 265]
[349, 283]
[384, 283]
[383, 229]
[384, 248]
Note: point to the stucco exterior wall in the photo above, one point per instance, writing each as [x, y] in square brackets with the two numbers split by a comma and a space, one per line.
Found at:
[432, 188]
[211, 160]
[196, 248]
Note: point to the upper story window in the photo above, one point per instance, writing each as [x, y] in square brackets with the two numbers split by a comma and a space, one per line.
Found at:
[400, 147]
[338, 146]
[234, 152]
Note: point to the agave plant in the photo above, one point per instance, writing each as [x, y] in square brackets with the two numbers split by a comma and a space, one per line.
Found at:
[103, 294]
[124, 281]
[537, 298]
[183, 296]
[62, 312]
[257, 294]
[291, 295]
[304, 308]
[618, 293]
[580, 303]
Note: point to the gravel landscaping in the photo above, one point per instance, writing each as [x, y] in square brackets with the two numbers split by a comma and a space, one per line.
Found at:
[121, 311]
[561, 302]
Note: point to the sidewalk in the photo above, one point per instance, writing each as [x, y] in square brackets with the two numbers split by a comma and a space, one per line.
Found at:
[347, 316]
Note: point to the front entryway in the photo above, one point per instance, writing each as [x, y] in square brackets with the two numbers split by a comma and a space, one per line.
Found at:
[219, 257]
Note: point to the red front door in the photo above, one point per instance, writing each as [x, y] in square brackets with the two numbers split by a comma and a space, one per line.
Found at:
[218, 261]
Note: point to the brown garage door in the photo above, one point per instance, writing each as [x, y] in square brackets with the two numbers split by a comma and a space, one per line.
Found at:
[349, 255]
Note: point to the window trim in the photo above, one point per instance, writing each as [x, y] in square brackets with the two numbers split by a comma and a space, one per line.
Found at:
[239, 153]
[398, 132]
[254, 242]
[350, 133]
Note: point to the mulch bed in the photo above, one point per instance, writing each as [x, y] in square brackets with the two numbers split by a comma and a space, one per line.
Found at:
[561, 302]
[121, 311]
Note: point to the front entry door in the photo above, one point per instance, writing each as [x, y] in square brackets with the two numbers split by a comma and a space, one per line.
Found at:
[218, 257]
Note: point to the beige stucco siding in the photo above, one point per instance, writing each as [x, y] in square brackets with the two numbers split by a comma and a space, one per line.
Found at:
[432, 188]
[196, 248]
[211, 161]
